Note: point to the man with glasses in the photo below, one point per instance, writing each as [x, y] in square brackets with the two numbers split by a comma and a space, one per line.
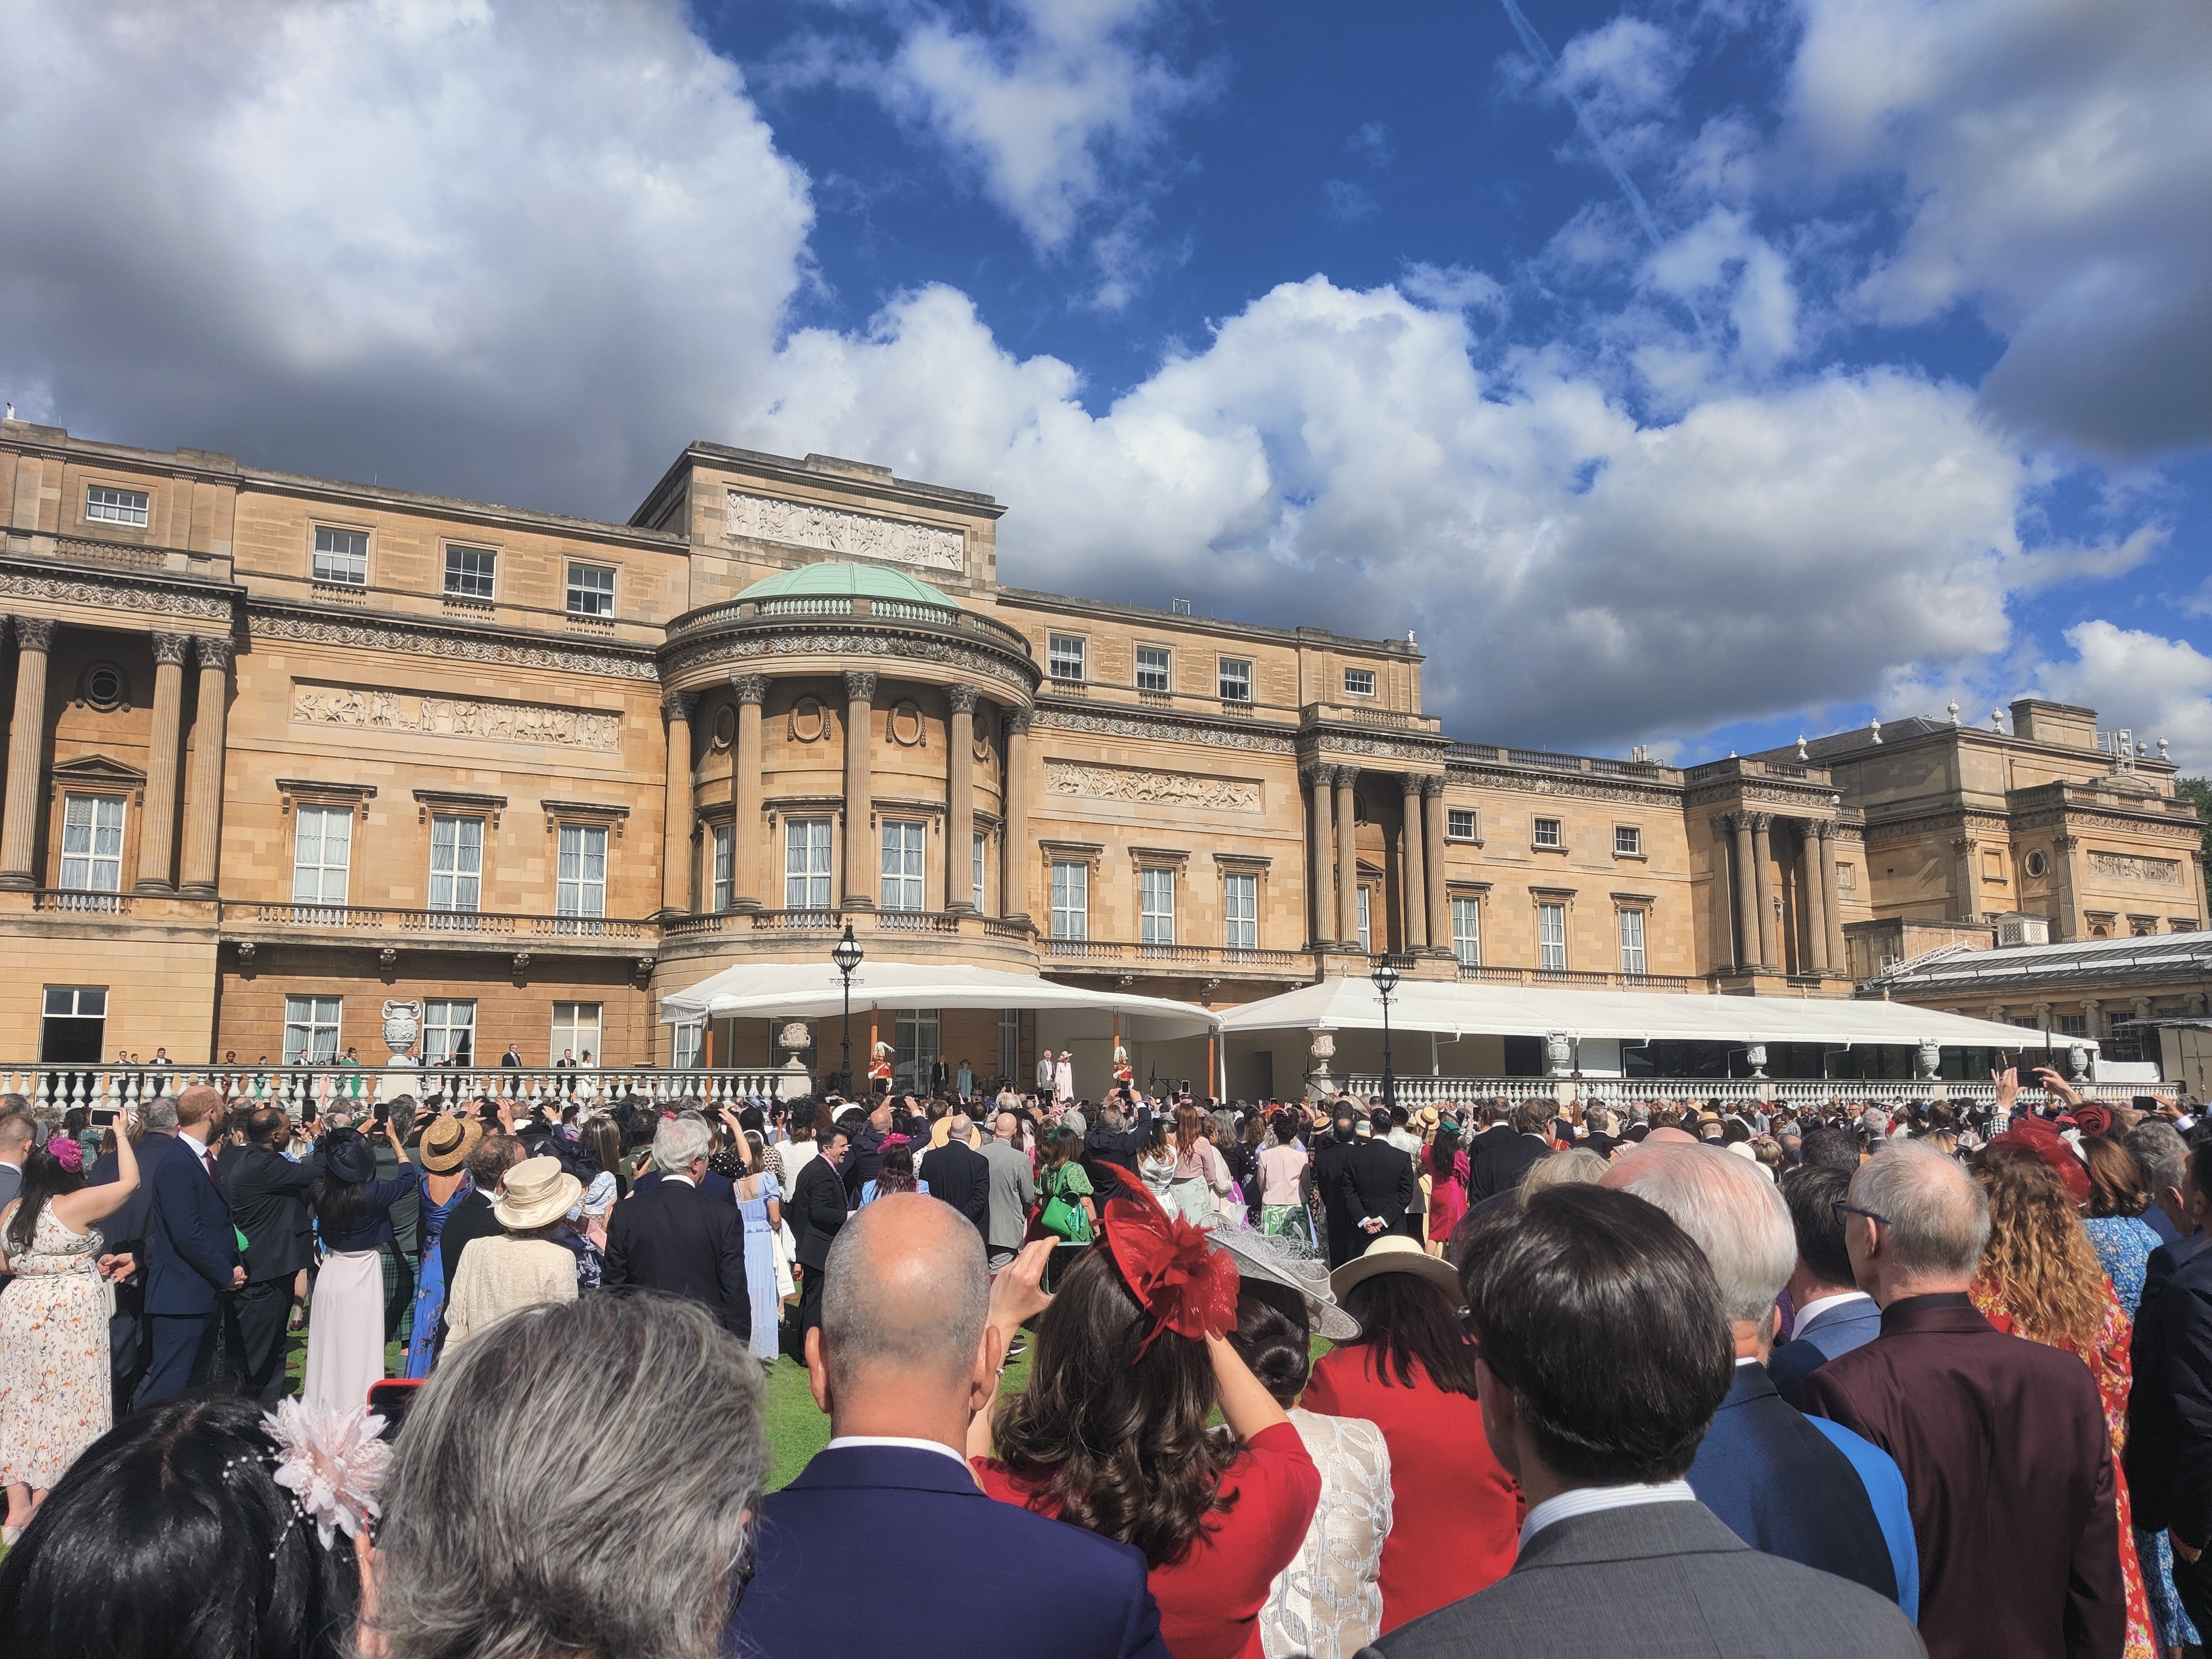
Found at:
[2007, 1464]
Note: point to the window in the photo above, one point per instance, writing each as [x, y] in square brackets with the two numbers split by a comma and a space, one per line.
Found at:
[591, 591]
[576, 1029]
[1459, 824]
[1631, 941]
[322, 851]
[684, 1051]
[1156, 907]
[1240, 898]
[581, 887]
[901, 867]
[806, 863]
[1236, 680]
[104, 688]
[1367, 895]
[1466, 932]
[1358, 681]
[1628, 842]
[457, 864]
[468, 572]
[913, 1049]
[74, 1022]
[2072, 1025]
[92, 843]
[340, 556]
[1551, 936]
[977, 856]
[1547, 833]
[722, 851]
[1064, 657]
[311, 1030]
[1071, 899]
[1153, 668]
[2037, 864]
[449, 1030]
[105, 505]
[1010, 1041]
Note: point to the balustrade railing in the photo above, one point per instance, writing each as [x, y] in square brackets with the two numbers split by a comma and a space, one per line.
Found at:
[1472, 973]
[105, 1089]
[1617, 1092]
[381, 919]
[1186, 958]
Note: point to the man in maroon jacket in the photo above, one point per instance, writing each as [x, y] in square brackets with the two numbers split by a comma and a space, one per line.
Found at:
[2001, 1441]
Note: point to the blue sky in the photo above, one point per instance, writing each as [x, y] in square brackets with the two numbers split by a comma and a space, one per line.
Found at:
[1719, 372]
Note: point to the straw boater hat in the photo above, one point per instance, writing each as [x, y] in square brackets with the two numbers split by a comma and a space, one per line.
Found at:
[538, 1193]
[446, 1143]
[1395, 1253]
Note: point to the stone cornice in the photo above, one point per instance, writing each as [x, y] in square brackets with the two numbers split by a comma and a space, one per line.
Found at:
[422, 638]
[1577, 786]
[147, 595]
[1160, 728]
[790, 637]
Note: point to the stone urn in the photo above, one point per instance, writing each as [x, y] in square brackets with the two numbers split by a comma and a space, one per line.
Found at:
[1930, 1058]
[403, 1025]
[1755, 1056]
[1320, 1085]
[794, 1038]
[1558, 1054]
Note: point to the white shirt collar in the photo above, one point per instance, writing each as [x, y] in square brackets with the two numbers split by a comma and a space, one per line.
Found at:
[1590, 1500]
[1820, 1304]
[684, 1176]
[845, 1441]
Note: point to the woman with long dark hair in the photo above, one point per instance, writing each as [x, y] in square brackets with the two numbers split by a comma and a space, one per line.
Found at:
[1131, 1357]
[55, 1392]
[1455, 1514]
[1199, 1178]
[345, 1319]
[1448, 1171]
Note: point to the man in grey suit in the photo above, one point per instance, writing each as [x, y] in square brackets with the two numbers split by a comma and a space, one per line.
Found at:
[1603, 1352]
[1013, 1189]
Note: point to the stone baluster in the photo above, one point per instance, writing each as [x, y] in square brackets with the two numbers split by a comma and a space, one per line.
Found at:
[26, 743]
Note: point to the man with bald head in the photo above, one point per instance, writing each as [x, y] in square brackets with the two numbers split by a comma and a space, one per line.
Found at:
[1810, 1492]
[908, 1353]
[2001, 1441]
[191, 1248]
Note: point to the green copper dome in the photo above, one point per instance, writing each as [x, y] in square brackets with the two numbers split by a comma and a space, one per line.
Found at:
[873, 581]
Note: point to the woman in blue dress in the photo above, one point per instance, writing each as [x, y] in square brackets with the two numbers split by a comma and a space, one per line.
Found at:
[760, 1202]
[445, 1182]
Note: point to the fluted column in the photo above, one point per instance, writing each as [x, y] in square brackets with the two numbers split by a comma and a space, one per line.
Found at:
[157, 824]
[1014, 852]
[27, 742]
[1746, 894]
[860, 783]
[960, 802]
[1417, 895]
[1816, 905]
[203, 873]
[1347, 857]
[746, 794]
[1439, 897]
[1321, 856]
[675, 708]
[1762, 854]
[1831, 901]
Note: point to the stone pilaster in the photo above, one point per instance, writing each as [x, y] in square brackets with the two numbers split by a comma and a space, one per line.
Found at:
[860, 783]
[202, 862]
[157, 824]
[676, 862]
[26, 743]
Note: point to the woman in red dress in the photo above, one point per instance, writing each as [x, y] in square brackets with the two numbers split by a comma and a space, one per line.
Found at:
[1132, 1357]
[1448, 1174]
[1455, 1514]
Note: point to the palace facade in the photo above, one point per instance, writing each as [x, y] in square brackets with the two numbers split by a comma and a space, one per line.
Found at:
[281, 748]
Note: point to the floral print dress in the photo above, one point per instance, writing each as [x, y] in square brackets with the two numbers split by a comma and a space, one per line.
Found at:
[54, 1388]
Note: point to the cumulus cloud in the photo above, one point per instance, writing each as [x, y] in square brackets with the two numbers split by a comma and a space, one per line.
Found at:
[2153, 685]
[2056, 165]
[516, 253]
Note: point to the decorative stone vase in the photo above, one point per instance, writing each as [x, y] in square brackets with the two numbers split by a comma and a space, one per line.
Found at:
[1930, 1058]
[1558, 1054]
[1320, 1085]
[796, 1079]
[403, 1025]
[1756, 1056]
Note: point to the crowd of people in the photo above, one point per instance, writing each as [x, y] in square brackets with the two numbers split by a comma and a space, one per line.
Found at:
[1304, 1378]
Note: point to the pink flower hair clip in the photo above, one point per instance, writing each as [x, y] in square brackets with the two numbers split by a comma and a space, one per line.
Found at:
[331, 1463]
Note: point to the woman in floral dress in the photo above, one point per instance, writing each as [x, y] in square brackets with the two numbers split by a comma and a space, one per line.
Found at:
[54, 1396]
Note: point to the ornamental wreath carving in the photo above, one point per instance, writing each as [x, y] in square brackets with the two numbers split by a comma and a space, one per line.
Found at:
[115, 593]
[739, 648]
[2154, 872]
[1152, 788]
[859, 535]
[452, 717]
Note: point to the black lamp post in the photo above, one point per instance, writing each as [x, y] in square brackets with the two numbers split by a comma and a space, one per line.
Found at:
[1385, 978]
[846, 956]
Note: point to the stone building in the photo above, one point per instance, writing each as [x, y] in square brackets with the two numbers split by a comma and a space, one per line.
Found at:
[281, 748]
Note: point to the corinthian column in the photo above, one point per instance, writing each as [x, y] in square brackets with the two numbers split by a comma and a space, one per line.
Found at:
[27, 742]
[746, 794]
[1347, 857]
[1816, 899]
[157, 826]
[960, 802]
[1321, 855]
[860, 782]
[1762, 853]
[1438, 897]
[675, 708]
[203, 787]
[1831, 899]
[1014, 851]
[1417, 895]
[1746, 894]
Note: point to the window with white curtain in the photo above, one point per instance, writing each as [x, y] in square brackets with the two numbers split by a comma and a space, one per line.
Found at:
[975, 862]
[92, 843]
[1551, 936]
[1240, 894]
[322, 853]
[1366, 905]
[902, 883]
[1156, 907]
[1631, 941]
[721, 854]
[576, 1029]
[449, 1029]
[1071, 899]
[806, 863]
[580, 885]
[456, 864]
[311, 1030]
[1466, 932]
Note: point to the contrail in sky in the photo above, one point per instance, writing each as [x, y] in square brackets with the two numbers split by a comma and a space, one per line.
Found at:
[1544, 61]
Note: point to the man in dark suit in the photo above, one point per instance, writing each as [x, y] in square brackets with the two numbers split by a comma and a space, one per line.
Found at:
[2003, 1442]
[1109, 1150]
[866, 1161]
[1833, 1316]
[1375, 1182]
[959, 1175]
[676, 1240]
[191, 1251]
[816, 1216]
[2169, 1456]
[1617, 1554]
[1811, 1493]
[912, 1334]
[268, 1197]
[1506, 1158]
[1332, 1152]
[1496, 1119]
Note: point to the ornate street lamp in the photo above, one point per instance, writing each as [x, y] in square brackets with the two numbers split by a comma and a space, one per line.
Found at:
[1385, 978]
[846, 956]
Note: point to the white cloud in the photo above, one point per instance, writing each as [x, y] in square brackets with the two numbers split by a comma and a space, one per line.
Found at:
[2153, 685]
[1374, 143]
[1348, 203]
[1622, 72]
[516, 251]
[2055, 165]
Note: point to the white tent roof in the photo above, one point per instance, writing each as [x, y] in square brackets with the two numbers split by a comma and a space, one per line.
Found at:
[1536, 1011]
[813, 990]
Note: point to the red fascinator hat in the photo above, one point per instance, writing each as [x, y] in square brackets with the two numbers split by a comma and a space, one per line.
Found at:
[1173, 1270]
[2053, 1148]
